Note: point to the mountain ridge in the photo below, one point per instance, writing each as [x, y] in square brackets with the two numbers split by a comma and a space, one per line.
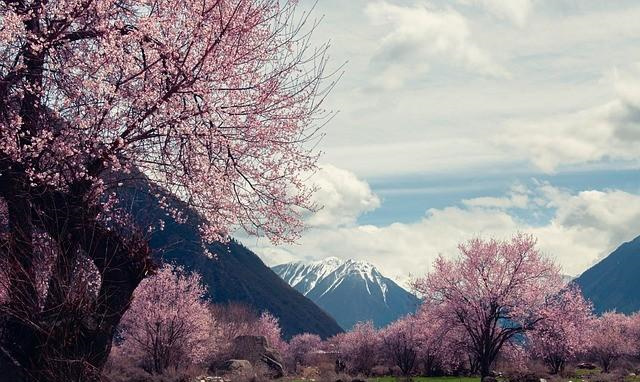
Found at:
[331, 282]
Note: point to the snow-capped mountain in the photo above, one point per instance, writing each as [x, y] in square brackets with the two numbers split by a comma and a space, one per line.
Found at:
[351, 291]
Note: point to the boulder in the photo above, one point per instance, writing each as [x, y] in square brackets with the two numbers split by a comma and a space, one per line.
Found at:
[209, 379]
[237, 369]
[489, 379]
[256, 349]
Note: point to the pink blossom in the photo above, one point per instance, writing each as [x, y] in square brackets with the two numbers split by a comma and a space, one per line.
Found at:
[300, 347]
[610, 339]
[563, 331]
[168, 323]
[493, 291]
[359, 348]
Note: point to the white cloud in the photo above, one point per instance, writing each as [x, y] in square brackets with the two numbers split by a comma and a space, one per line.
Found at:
[582, 227]
[607, 132]
[517, 198]
[515, 11]
[342, 197]
[420, 34]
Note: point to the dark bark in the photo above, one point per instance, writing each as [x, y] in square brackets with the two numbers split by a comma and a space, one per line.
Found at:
[69, 341]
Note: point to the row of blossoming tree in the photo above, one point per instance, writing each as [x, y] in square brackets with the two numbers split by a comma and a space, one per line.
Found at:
[500, 301]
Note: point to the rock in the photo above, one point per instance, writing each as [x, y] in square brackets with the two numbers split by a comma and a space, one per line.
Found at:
[358, 380]
[489, 379]
[238, 369]
[209, 379]
[256, 350]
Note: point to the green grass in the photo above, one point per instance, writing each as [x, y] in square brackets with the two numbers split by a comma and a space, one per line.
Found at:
[586, 372]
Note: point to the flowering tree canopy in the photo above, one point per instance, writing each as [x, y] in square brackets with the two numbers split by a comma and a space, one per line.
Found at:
[442, 347]
[299, 347]
[359, 347]
[400, 343]
[215, 101]
[564, 329]
[168, 323]
[268, 326]
[610, 339]
[494, 291]
[195, 94]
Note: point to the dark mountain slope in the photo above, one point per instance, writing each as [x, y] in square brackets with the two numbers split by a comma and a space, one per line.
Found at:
[235, 274]
[614, 283]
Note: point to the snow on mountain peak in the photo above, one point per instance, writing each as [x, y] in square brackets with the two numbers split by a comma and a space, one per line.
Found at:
[332, 282]
[306, 276]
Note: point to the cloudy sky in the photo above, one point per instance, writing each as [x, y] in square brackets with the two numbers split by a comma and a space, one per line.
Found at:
[466, 118]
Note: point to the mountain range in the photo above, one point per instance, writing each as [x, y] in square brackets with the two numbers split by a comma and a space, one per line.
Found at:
[614, 282]
[350, 291]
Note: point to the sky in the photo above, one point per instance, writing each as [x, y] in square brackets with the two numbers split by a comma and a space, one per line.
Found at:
[475, 118]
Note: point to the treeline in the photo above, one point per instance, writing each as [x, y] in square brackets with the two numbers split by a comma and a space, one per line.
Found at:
[500, 305]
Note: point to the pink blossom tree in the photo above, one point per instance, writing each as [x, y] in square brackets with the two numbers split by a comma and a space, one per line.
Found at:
[234, 320]
[230, 321]
[268, 326]
[441, 346]
[494, 291]
[359, 348]
[610, 339]
[401, 343]
[563, 331]
[214, 101]
[634, 329]
[168, 324]
[299, 348]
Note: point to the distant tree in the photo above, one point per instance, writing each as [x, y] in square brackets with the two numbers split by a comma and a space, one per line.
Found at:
[441, 347]
[168, 324]
[359, 348]
[400, 343]
[495, 291]
[563, 331]
[610, 339]
[634, 325]
[230, 321]
[299, 347]
[268, 326]
[214, 101]
[236, 319]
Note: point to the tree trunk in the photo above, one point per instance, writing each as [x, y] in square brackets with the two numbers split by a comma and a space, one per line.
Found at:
[65, 342]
